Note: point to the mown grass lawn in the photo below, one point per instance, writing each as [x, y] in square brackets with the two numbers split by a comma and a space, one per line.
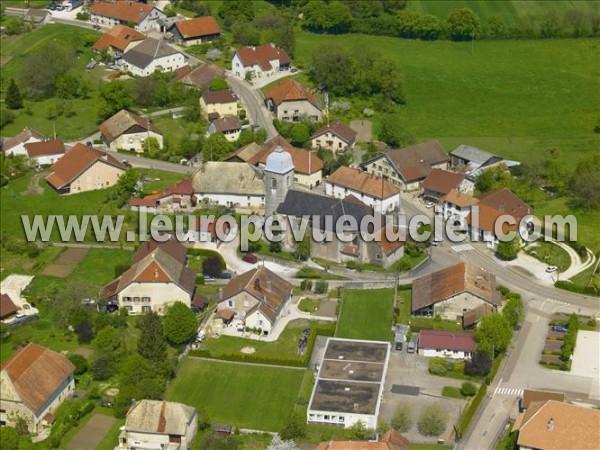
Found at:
[284, 347]
[366, 314]
[243, 395]
[550, 254]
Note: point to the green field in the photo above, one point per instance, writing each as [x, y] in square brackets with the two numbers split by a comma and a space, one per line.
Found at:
[34, 114]
[513, 12]
[249, 396]
[508, 97]
[366, 314]
[550, 254]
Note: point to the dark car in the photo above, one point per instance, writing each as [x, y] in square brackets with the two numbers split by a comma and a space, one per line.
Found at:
[226, 275]
[250, 258]
[560, 328]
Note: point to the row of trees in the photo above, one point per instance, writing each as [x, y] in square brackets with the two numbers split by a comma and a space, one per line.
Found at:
[267, 28]
[356, 71]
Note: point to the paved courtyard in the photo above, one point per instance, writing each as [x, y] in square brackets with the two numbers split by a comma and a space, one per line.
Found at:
[586, 358]
[92, 433]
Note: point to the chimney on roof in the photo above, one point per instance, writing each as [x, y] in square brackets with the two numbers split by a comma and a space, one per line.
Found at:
[257, 284]
[550, 424]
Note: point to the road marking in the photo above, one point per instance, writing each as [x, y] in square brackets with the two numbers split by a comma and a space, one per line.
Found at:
[462, 248]
[515, 392]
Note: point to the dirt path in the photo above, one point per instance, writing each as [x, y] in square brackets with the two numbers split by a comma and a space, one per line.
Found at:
[34, 187]
[92, 433]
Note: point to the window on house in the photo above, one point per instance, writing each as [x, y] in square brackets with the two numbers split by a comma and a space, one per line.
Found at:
[136, 299]
[145, 299]
[230, 303]
[273, 183]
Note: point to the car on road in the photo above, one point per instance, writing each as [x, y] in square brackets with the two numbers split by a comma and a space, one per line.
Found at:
[551, 269]
[250, 258]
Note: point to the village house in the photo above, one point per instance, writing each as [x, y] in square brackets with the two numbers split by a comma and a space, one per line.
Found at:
[554, 425]
[230, 127]
[446, 344]
[440, 182]
[257, 297]
[242, 187]
[374, 191]
[150, 55]
[157, 278]
[453, 291]
[84, 169]
[200, 77]
[128, 131]
[45, 153]
[195, 31]
[143, 16]
[15, 146]
[158, 424]
[529, 396]
[407, 167]
[466, 158]
[335, 136]
[481, 213]
[222, 103]
[290, 101]
[308, 167]
[259, 62]
[118, 40]
[37, 17]
[246, 154]
[178, 197]
[35, 382]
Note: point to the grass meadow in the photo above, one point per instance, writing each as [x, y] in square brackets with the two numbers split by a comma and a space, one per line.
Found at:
[366, 314]
[249, 396]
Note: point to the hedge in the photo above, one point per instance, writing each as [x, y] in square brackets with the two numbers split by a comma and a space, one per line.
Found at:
[204, 252]
[568, 286]
[466, 418]
[315, 330]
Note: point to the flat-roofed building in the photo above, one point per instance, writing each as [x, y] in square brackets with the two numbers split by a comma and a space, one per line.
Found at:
[349, 385]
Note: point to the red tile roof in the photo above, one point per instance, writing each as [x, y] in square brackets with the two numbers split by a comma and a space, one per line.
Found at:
[414, 162]
[262, 55]
[442, 181]
[447, 340]
[23, 136]
[506, 202]
[119, 37]
[49, 147]
[182, 188]
[363, 182]
[198, 27]
[224, 96]
[7, 306]
[290, 90]
[75, 162]
[36, 373]
[305, 162]
[127, 11]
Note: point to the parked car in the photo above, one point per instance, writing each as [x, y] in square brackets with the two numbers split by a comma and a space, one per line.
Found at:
[96, 26]
[209, 279]
[226, 275]
[560, 328]
[551, 269]
[200, 336]
[250, 258]
[429, 205]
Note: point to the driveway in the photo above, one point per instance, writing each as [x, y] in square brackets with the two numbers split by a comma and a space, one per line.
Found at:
[92, 433]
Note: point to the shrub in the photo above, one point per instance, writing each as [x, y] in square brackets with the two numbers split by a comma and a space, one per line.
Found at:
[306, 285]
[79, 362]
[437, 368]
[432, 421]
[402, 420]
[468, 389]
[569, 286]
[321, 287]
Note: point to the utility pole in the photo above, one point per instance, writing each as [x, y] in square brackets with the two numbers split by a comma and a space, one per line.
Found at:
[472, 41]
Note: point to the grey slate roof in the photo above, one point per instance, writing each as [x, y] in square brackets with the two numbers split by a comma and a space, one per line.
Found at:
[472, 154]
[147, 51]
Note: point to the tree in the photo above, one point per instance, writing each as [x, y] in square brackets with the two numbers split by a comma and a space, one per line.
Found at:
[216, 147]
[551, 26]
[578, 22]
[463, 24]
[295, 428]
[43, 66]
[13, 98]
[358, 431]
[507, 251]
[180, 323]
[84, 332]
[332, 17]
[585, 184]
[300, 134]
[393, 133]
[480, 364]
[115, 95]
[403, 418]
[514, 310]
[468, 389]
[496, 27]
[126, 185]
[138, 378]
[79, 362]
[232, 10]
[104, 366]
[108, 339]
[432, 421]
[303, 246]
[218, 84]
[245, 33]
[9, 437]
[151, 344]
[211, 266]
[493, 334]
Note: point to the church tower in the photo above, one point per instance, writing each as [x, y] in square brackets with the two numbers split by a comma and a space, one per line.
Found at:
[279, 178]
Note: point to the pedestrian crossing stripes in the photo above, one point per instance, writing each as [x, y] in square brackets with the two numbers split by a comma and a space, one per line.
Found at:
[462, 248]
[509, 391]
